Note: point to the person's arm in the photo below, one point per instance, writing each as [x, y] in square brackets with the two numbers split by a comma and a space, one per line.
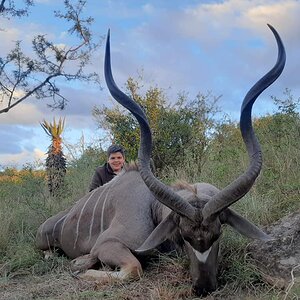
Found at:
[96, 181]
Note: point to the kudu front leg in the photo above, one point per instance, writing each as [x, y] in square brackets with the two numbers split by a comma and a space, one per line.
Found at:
[83, 263]
[116, 255]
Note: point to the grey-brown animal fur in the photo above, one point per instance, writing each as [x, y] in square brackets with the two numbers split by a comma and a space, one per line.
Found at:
[135, 212]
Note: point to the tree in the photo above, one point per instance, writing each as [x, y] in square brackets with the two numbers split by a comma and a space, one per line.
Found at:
[180, 131]
[23, 76]
[8, 8]
[289, 105]
[55, 162]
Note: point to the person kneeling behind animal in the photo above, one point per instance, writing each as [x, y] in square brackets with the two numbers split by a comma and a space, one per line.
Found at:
[113, 166]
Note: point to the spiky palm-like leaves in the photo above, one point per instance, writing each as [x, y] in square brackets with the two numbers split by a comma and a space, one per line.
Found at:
[55, 161]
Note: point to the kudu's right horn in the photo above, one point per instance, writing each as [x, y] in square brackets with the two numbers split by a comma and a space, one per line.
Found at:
[238, 188]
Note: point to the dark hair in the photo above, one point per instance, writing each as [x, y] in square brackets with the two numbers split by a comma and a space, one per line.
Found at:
[114, 149]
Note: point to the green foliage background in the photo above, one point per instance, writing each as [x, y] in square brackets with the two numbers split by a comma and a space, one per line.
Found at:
[180, 131]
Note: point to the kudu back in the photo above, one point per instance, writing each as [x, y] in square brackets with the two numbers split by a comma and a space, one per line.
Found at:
[136, 212]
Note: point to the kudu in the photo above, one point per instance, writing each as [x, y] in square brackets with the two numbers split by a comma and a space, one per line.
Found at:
[135, 212]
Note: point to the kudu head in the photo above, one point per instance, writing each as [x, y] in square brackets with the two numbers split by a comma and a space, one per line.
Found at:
[198, 217]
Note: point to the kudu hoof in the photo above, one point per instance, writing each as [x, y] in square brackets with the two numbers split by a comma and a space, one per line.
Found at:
[83, 263]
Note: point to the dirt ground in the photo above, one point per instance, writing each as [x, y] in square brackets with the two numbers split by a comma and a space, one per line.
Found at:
[167, 280]
[64, 286]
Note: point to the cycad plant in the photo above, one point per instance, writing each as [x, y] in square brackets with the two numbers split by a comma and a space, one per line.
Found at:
[55, 161]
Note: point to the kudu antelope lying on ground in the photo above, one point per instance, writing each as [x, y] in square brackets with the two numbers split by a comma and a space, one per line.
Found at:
[136, 212]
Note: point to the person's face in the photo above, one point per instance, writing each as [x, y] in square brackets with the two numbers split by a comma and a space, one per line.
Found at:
[116, 161]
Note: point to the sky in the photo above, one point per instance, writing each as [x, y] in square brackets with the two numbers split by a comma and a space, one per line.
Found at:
[222, 47]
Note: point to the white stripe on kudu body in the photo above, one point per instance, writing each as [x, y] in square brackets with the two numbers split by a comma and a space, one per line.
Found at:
[54, 227]
[106, 187]
[65, 220]
[94, 212]
[113, 183]
[80, 215]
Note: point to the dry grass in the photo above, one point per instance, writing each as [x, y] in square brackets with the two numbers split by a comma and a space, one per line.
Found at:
[165, 278]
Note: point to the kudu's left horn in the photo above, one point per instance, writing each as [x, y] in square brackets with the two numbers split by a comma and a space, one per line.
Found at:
[162, 192]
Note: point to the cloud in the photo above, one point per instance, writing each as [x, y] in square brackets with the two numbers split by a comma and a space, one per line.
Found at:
[282, 14]
[24, 113]
[77, 111]
[148, 8]
[12, 137]
[35, 157]
[9, 34]
[224, 47]
[39, 154]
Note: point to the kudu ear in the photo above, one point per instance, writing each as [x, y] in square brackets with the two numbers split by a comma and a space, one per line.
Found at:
[163, 230]
[243, 226]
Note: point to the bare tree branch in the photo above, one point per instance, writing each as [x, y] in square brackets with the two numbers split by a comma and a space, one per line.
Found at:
[10, 9]
[22, 76]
